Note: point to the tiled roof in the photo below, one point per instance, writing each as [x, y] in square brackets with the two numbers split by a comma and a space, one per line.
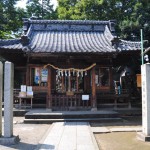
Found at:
[69, 41]
[11, 44]
[129, 45]
[66, 36]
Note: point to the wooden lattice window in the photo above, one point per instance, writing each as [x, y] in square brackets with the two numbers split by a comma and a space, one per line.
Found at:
[102, 77]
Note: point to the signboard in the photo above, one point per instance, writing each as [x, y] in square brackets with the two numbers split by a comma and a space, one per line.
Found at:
[29, 88]
[23, 88]
[29, 93]
[37, 75]
[44, 74]
[85, 97]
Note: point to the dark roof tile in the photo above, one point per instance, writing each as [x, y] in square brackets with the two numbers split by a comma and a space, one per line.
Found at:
[11, 44]
[68, 36]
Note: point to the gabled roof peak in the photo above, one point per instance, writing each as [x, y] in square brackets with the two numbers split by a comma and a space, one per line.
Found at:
[68, 25]
[94, 22]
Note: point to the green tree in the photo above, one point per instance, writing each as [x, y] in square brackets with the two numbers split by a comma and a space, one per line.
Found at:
[11, 16]
[43, 10]
[9, 20]
[130, 15]
[79, 10]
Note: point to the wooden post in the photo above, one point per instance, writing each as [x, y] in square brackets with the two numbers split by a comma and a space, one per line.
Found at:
[63, 86]
[49, 88]
[77, 78]
[69, 83]
[110, 78]
[28, 75]
[94, 103]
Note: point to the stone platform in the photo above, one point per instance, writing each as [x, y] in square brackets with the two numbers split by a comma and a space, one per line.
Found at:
[46, 116]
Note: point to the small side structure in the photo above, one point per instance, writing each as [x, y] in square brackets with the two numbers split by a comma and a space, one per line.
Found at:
[65, 61]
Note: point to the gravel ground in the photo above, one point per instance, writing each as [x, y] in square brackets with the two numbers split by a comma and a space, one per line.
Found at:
[121, 140]
[29, 134]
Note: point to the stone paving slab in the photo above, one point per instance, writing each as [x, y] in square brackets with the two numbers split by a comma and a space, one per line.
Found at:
[14, 122]
[134, 129]
[119, 129]
[69, 136]
[100, 130]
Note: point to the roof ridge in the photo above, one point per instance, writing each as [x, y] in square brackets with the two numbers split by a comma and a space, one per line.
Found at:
[130, 41]
[72, 21]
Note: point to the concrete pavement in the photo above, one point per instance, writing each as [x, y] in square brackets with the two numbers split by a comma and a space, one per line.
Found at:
[69, 136]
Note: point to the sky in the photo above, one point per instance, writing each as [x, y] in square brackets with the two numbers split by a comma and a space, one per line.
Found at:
[22, 3]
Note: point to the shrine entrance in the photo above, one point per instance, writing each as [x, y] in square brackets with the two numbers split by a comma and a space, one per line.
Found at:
[70, 88]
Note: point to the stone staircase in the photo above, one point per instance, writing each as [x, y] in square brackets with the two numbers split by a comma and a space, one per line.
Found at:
[46, 117]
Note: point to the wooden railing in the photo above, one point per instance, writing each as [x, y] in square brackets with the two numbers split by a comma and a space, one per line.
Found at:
[114, 98]
[65, 102]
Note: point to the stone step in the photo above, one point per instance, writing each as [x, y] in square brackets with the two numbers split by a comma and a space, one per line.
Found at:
[47, 121]
[70, 115]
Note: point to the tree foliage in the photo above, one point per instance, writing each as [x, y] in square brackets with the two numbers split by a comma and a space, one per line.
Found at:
[41, 9]
[11, 16]
[130, 15]
[10, 19]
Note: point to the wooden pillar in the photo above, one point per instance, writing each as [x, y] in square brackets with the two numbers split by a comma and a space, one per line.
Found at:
[77, 78]
[28, 75]
[88, 81]
[69, 83]
[110, 78]
[94, 103]
[49, 88]
[63, 84]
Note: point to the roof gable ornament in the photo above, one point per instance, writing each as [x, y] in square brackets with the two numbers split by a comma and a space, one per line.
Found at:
[115, 42]
[25, 40]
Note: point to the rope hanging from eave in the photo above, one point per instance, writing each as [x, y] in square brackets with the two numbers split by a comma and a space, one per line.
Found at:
[70, 69]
